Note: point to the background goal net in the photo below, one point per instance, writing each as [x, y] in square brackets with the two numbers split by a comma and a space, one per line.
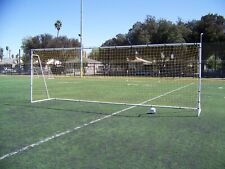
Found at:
[167, 75]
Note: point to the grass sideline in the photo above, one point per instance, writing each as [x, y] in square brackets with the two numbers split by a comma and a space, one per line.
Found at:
[168, 140]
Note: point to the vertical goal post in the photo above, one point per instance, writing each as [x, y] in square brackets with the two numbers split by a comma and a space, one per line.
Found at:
[153, 63]
[200, 75]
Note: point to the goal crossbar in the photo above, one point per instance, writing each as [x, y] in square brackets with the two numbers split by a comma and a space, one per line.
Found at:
[113, 47]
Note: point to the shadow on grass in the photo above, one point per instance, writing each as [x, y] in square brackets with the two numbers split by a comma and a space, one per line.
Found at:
[171, 115]
[176, 114]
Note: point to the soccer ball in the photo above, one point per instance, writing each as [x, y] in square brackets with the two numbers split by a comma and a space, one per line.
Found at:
[152, 110]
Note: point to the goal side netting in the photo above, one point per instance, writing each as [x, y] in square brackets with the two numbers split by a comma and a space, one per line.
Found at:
[165, 75]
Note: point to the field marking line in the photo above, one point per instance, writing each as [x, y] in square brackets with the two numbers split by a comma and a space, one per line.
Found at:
[132, 84]
[85, 124]
[68, 82]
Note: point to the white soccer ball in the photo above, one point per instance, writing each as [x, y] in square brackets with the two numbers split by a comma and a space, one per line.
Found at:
[152, 110]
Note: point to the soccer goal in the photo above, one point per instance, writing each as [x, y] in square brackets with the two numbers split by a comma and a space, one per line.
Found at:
[39, 71]
[155, 75]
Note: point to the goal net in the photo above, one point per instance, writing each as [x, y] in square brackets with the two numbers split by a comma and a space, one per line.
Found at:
[161, 75]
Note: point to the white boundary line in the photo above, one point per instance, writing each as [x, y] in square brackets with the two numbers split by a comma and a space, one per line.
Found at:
[84, 125]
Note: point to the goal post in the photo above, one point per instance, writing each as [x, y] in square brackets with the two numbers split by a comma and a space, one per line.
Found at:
[199, 109]
[154, 75]
[33, 68]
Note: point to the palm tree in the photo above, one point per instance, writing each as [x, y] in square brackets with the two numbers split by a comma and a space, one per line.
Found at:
[7, 49]
[1, 54]
[58, 25]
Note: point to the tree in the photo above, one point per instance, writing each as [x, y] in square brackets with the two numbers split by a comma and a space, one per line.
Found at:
[120, 40]
[1, 53]
[47, 41]
[58, 25]
[164, 31]
[213, 27]
[151, 27]
[138, 34]
[214, 63]
[7, 49]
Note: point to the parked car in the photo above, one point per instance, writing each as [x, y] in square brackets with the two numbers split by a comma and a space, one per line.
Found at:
[8, 70]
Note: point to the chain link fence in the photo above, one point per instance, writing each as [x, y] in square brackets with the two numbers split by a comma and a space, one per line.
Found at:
[213, 63]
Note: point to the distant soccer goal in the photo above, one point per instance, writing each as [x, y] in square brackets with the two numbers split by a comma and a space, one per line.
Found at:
[160, 75]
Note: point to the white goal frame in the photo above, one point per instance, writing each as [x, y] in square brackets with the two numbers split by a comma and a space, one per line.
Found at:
[198, 105]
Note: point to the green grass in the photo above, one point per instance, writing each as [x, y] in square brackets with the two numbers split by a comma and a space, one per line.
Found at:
[131, 139]
[126, 90]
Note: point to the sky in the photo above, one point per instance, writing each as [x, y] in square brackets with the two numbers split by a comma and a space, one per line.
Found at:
[102, 19]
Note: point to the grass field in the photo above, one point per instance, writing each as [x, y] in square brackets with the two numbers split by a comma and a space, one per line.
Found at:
[117, 89]
[130, 139]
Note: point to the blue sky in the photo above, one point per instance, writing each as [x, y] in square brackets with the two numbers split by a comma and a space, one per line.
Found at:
[103, 19]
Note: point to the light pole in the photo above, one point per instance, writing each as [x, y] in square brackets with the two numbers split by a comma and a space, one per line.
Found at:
[81, 38]
[173, 70]
[162, 64]
[10, 53]
[19, 63]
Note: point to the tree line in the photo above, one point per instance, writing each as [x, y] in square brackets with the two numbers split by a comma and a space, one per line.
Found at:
[153, 31]
[48, 41]
[150, 31]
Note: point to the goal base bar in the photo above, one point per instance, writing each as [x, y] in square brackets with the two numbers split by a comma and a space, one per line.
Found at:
[124, 104]
[42, 100]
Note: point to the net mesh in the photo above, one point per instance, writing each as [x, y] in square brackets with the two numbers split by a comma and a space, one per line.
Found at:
[165, 75]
